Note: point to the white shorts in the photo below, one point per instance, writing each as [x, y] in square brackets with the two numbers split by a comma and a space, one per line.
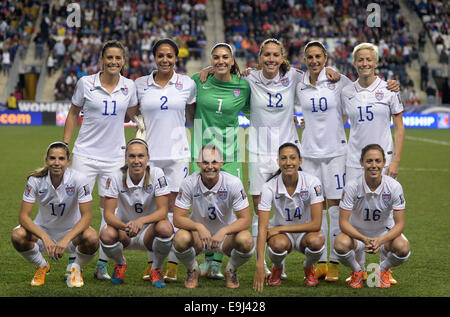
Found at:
[174, 170]
[260, 169]
[331, 172]
[137, 242]
[55, 235]
[95, 170]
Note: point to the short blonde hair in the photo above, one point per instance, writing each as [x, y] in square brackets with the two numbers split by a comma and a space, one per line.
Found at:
[366, 46]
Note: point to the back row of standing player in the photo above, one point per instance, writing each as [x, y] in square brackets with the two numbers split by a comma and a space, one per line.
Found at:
[267, 94]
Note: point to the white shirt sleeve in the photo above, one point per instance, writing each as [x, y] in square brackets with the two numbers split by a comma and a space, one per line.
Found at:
[316, 191]
[240, 200]
[184, 197]
[133, 99]
[111, 187]
[265, 203]
[162, 187]
[78, 96]
[30, 190]
[348, 194]
[396, 103]
[192, 92]
[398, 199]
[84, 192]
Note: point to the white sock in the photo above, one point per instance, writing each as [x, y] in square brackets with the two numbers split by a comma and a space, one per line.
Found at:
[115, 252]
[360, 255]
[150, 256]
[348, 259]
[312, 256]
[187, 258]
[255, 227]
[392, 260]
[334, 229]
[277, 258]
[101, 254]
[82, 259]
[324, 229]
[172, 257]
[161, 248]
[34, 256]
[238, 258]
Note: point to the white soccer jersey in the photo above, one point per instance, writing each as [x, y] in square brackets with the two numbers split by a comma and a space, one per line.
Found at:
[102, 135]
[164, 114]
[58, 207]
[295, 209]
[372, 212]
[212, 207]
[369, 111]
[136, 201]
[324, 135]
[271, 111]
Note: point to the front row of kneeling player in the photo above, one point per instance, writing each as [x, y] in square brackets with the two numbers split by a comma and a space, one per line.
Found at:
[372, 212]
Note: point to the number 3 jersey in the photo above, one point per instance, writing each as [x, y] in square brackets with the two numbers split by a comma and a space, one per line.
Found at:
[295, 209]
[136, 201]
[369, 111]
[372, 211]
[212, 207]
[58, 207]
[102, 135]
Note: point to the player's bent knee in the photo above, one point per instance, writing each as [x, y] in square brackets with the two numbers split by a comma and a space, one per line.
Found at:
[315, 241]
[19, 237]
[401, 247]
[90, 240]
[182, 240]
[109, 235]
[244, 241]
[164, 229]
[342, 243]
[279, 243]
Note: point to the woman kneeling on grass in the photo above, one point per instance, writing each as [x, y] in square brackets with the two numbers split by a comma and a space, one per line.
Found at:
[296, 198]
[372, 219]
[63, 221]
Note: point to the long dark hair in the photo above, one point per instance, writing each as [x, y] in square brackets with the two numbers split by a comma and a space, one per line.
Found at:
[287, 144]
[43, 171]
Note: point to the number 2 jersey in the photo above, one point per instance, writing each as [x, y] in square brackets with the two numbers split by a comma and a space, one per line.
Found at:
[136, 201]
[372, 211]
[295, 209]
[370, 111]
[58, 207]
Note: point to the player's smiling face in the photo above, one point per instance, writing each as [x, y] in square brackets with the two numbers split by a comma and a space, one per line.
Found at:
[373, 163]
[113, 60]
[222, 60]
[289, 161]
[365, 63]
[271, 59]
[137, 158]
[210, 164]
[165, 58]
[57, 161]
[315, 59]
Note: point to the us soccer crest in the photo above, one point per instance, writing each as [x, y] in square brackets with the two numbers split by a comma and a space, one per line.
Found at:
[386, 197]
[178, 86]
[379, 95]
[223, 194]
[124, 91]
[148, 189]
[70, 190]
[331, 85]
[237, 93]
[285, 81]
[304, 194]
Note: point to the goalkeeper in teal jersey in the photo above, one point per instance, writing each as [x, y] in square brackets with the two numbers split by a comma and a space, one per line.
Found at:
[219, 101]
[216, 120]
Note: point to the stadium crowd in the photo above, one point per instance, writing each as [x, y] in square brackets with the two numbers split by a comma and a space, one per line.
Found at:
[139, 23]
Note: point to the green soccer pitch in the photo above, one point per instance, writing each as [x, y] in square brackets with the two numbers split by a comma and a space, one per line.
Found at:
[424, 175]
